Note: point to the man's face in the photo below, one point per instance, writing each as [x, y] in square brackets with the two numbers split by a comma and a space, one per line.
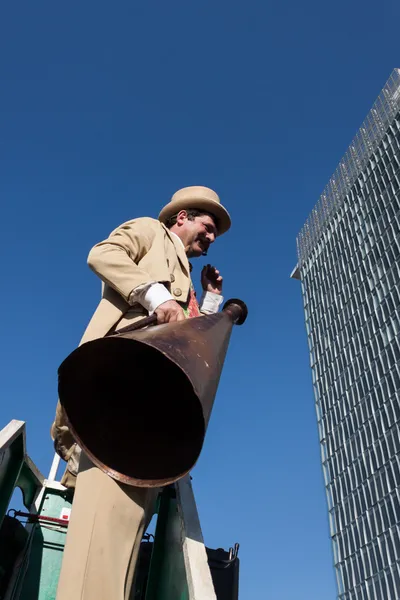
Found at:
[197, 234]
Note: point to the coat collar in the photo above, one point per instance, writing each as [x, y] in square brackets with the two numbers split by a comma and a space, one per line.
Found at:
[180, 249]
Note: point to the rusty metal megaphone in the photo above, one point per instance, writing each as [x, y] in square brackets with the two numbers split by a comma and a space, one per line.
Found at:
[138, 402]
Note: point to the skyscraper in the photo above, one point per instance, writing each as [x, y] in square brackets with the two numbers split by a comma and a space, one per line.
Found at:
[349, 266]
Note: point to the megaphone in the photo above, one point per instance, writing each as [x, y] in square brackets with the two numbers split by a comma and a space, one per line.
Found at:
[138, 402]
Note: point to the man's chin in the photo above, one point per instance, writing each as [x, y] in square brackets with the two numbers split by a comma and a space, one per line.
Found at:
[195, 252]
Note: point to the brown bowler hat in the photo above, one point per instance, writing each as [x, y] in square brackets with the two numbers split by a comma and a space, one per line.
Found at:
[199, 197]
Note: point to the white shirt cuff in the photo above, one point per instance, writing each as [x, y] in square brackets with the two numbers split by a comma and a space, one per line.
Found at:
[150, 296]
[210, 303]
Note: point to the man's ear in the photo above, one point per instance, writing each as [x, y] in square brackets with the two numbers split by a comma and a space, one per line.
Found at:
[181, 217]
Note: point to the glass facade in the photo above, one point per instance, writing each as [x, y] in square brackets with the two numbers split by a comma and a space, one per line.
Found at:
[349, 266]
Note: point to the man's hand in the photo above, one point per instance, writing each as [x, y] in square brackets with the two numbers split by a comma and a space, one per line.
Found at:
[211, 280]
[169, 312]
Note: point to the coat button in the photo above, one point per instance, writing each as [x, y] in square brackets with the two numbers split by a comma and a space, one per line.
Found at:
[172, 277]
[177, 292]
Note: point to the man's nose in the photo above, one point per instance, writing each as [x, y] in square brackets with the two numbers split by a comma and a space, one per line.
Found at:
[210, 237]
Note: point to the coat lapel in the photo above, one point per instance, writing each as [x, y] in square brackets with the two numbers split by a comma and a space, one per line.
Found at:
[180, 251]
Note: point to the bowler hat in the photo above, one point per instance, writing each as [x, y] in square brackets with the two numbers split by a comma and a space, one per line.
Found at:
[201, 198]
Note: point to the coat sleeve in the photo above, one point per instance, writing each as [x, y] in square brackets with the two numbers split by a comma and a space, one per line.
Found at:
[115, 260]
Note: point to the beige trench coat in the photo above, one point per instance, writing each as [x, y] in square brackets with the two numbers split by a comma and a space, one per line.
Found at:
[136, 253]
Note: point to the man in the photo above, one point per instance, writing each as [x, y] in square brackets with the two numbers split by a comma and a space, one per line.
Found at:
[144, 269]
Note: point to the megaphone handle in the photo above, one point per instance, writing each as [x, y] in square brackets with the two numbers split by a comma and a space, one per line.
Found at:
[152, 320]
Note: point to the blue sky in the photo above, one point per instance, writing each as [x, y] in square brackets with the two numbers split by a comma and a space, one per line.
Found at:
[106, 110]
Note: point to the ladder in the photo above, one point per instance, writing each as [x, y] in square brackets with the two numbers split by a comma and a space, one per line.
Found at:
[176, 566]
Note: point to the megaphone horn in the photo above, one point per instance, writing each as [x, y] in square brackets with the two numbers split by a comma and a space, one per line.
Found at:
[138, 402]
